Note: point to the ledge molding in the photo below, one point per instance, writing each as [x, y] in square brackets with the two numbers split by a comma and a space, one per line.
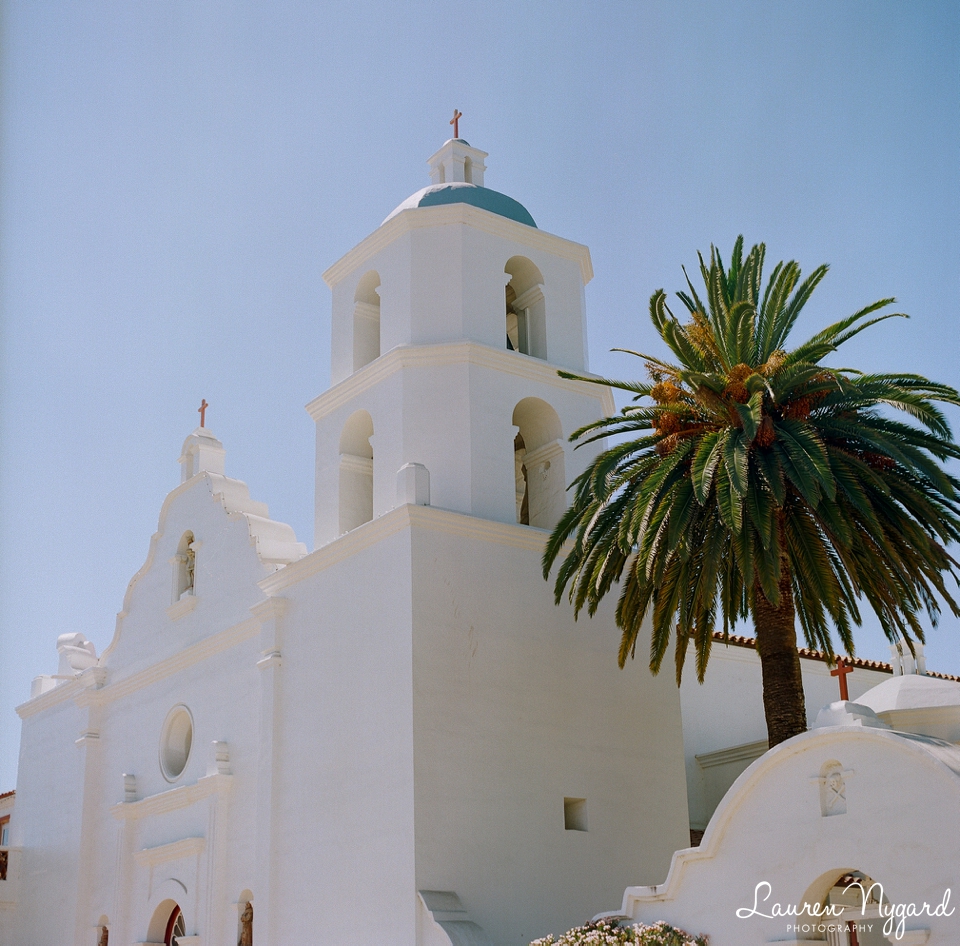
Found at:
[173, 799]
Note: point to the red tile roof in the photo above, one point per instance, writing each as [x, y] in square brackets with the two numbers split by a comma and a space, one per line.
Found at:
[808, 654]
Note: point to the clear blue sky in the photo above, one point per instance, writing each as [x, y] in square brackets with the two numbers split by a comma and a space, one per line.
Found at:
[177, 175]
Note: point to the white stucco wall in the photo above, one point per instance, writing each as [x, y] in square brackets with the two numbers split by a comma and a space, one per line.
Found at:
[46, 825]
[516, 707]
[342, 855]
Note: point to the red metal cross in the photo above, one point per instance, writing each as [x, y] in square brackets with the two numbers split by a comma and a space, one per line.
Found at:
[455, 121]
[841, 672]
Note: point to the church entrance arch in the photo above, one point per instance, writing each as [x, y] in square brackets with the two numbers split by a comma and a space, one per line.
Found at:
[167, 924]
[538, 464]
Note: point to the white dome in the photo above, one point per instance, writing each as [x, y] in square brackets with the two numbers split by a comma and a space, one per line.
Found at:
[916, 703]
[911, 691]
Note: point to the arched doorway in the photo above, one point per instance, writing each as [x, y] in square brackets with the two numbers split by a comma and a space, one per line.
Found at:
[855, 918]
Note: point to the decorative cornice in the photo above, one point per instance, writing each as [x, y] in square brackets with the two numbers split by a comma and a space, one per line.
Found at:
[271, 661]
[418, 218]
[173, 799]
[397, 520]
[451, 353]
[270, 609]
[202, 650]
[61, 693]
[184, 606]
[188, 847]
[743, 753]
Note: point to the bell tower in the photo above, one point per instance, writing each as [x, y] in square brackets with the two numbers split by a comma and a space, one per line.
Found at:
[449, 324]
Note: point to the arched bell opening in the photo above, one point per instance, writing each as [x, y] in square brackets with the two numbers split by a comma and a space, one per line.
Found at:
[366, 320]
[526, 317]
[356, 471]
[538, 458]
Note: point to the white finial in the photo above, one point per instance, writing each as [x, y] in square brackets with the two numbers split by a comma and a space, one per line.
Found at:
[201, 453]
[456, 162]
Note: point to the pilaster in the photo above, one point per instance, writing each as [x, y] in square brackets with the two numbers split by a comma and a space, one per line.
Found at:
[88, 745]
[269, 613]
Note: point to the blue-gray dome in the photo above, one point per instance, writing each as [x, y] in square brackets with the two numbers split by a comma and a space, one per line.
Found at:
[462, 193]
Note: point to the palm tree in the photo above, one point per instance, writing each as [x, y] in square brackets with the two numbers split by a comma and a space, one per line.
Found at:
[747, 480]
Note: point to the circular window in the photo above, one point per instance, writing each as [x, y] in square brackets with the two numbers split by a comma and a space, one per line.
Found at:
[175, 742]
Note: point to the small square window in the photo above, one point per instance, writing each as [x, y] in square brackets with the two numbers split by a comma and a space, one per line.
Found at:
[575, 814]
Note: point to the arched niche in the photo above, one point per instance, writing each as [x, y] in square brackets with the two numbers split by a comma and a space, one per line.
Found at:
[185, 567]
[103, 930]
[356, 471]
[539, 471]
[366, 320]
[245, 918]
[526, 315]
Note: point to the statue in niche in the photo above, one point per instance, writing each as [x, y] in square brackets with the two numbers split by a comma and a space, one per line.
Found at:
[246, 926]
[186, 560]
[190, 565]
[104, 936]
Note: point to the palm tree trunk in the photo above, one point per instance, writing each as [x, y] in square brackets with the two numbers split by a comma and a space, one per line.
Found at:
[783, 703]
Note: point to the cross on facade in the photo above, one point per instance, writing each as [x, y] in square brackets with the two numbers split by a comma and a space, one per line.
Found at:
[455, 121]
[202, 411]
[841, 672]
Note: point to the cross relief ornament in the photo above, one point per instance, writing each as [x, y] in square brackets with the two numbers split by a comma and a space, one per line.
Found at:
[833, 789]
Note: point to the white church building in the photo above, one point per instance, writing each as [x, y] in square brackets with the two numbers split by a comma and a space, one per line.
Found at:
[398, 738]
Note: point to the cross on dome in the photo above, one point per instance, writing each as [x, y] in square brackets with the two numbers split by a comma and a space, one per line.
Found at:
[202, 411]
[455, 121]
